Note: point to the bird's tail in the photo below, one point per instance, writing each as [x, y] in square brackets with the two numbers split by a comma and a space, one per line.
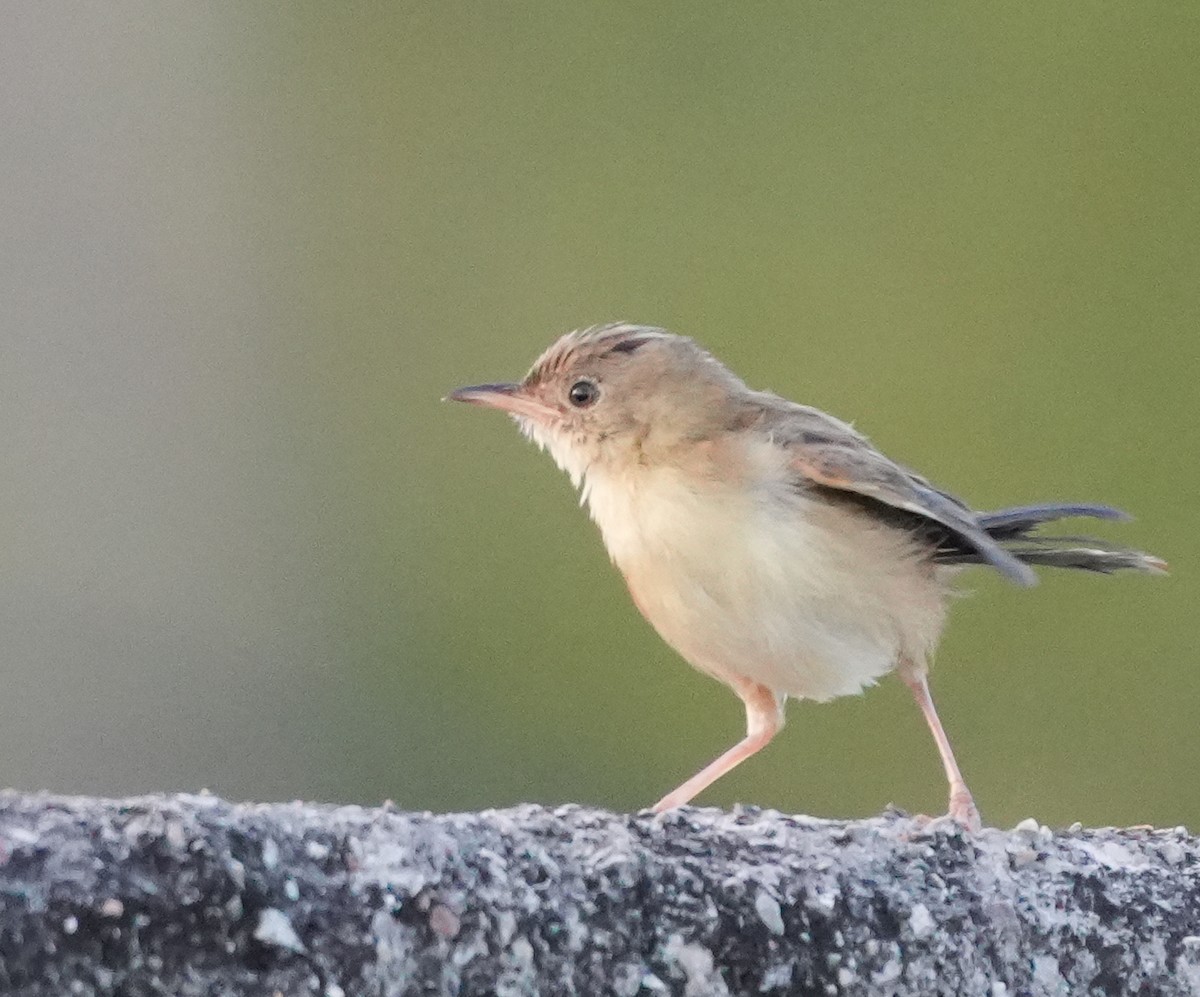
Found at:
[1016, 530]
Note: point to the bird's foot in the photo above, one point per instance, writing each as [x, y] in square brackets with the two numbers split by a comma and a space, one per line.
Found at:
[963, 811]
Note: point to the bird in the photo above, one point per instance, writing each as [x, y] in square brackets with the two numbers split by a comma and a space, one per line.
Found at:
[770, 544]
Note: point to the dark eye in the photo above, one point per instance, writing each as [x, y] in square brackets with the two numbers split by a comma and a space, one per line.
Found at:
[583, 393]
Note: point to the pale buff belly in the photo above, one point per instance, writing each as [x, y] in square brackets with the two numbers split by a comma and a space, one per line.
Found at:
[810, 600]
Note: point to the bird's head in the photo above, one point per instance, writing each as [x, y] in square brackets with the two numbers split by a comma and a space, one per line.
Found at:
[613, 397]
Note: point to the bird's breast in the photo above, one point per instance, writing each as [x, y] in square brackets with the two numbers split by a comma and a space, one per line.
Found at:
[776, 587]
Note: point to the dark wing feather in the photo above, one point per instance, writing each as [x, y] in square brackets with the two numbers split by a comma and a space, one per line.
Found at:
[829, 454]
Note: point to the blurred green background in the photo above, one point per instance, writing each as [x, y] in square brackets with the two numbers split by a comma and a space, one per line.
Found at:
[246, 249]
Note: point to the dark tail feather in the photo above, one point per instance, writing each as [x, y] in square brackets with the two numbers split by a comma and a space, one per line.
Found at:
[1015, 529]
[1019, 520]
[1094, 557]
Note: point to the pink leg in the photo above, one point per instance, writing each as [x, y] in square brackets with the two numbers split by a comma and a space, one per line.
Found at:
[764, 719]
[962, 806]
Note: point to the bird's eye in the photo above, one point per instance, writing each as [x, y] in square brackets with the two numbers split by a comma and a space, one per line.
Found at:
[583, 393]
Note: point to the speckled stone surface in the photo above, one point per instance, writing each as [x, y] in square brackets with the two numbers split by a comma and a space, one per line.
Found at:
[190, 895]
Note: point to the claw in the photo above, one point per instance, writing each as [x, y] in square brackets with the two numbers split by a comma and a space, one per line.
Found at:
[963, 811]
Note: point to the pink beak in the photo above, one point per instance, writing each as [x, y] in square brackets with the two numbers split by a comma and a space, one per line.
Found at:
[509, 398]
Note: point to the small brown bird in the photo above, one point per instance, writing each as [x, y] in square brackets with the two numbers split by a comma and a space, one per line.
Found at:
[768, 543]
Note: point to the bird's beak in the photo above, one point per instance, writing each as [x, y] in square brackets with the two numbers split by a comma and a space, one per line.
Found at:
[510, 398]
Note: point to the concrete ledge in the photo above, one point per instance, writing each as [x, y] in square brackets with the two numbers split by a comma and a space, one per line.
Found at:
[191, 895]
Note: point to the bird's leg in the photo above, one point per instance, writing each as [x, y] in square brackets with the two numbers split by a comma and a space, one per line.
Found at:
[764, 719]
[962, 806]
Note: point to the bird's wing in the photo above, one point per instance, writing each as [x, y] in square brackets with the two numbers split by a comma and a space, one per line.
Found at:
[828, 454]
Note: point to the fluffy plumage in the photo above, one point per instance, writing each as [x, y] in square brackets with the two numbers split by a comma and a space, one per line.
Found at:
[768, 542]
